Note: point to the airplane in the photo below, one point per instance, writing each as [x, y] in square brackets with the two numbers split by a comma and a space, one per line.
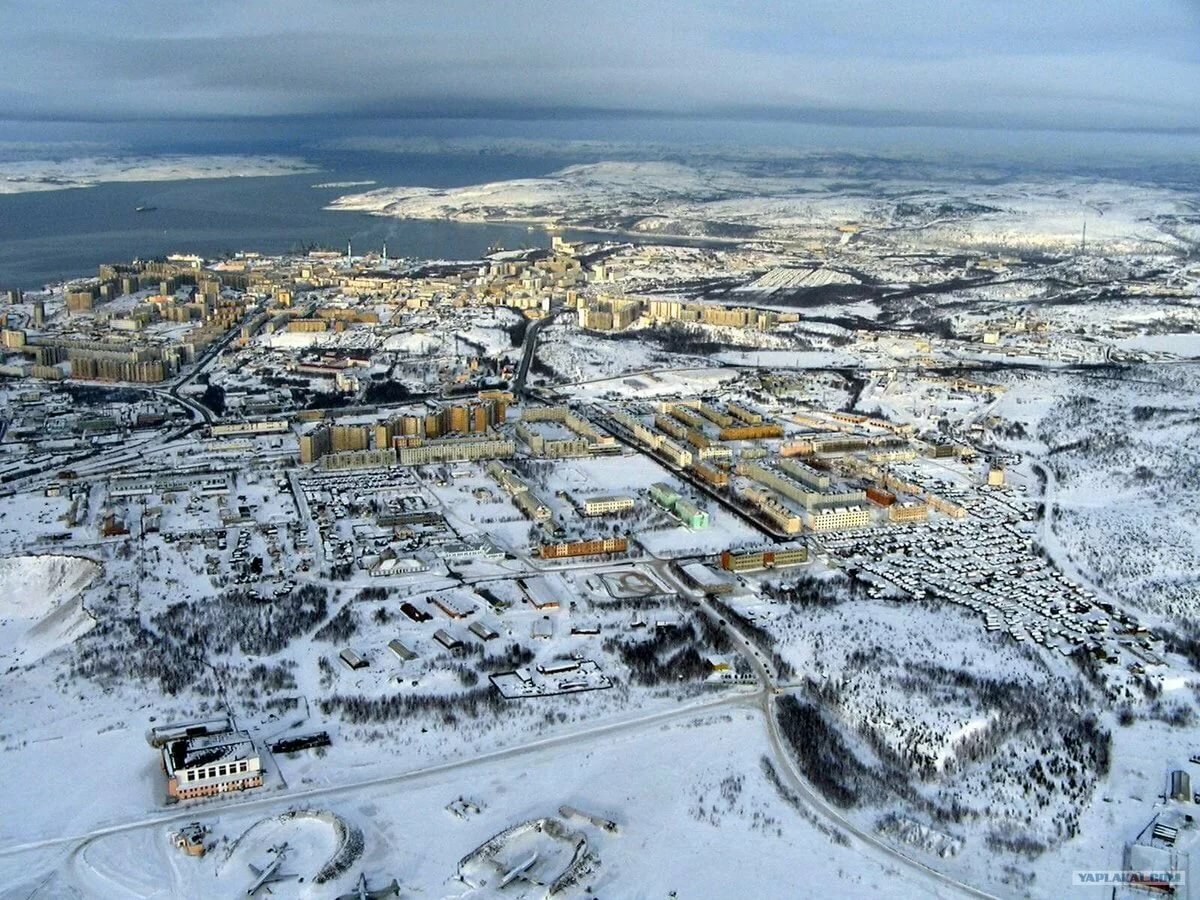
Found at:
[361, 892]
[518, 871]
[269, 874]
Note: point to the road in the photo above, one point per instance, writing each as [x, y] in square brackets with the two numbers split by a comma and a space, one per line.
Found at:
[761, 698]
[531, 339]
[770, 689]
[209, 354]
[99, 458]
[198, 812]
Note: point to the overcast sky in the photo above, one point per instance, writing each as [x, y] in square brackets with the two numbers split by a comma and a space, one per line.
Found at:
[1012, 63]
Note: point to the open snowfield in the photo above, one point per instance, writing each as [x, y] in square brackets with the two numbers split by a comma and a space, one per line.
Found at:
[678, 380]
[694, 782]
[1185, 346]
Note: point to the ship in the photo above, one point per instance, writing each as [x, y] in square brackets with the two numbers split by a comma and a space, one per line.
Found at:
[145, 208]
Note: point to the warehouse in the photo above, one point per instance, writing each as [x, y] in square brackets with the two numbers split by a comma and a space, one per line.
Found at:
[352, 659]
[446, 639]
[452, 607]
[483, 631]
[402, 652]
[705, 579]
[545, 592]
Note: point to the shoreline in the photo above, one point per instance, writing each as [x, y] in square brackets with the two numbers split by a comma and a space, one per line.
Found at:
[551, 226]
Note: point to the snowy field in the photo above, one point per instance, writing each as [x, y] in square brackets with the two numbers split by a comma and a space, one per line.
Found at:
[696, 782]
[653, 197]
[19, 177]
[1120, 454]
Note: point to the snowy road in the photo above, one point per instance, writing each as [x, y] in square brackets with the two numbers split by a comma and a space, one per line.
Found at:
[916, 874]
[194, 813]
[935, 882]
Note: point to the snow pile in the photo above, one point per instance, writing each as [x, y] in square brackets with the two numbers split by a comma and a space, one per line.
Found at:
[41, 605]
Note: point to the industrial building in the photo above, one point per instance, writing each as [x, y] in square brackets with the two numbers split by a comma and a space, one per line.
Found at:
[461, 551]
[207, 764]
[446, 639]
[452, 607]
[546, 592]
[483, 631]
[705, 579]
[401, 652]
[353, 660]
[266, 426]
[168, 482]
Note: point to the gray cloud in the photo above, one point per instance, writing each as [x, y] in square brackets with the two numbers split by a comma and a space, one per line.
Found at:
[1116, 64]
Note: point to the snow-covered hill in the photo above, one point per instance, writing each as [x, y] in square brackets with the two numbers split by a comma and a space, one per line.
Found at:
[41, 606]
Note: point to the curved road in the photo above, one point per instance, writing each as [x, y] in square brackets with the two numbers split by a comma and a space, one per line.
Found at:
[208, 808]
[762, 698]
[770, 689]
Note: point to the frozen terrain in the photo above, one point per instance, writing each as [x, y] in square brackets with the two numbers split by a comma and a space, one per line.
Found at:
[19, 177]
[789, 203]
[41, 607]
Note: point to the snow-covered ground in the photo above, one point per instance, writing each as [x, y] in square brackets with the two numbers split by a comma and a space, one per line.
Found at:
[41, 607]
[1121, 453]
[995, 697]
[23, 176]
[1182, 345]
[656, 196]
[689, 797]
